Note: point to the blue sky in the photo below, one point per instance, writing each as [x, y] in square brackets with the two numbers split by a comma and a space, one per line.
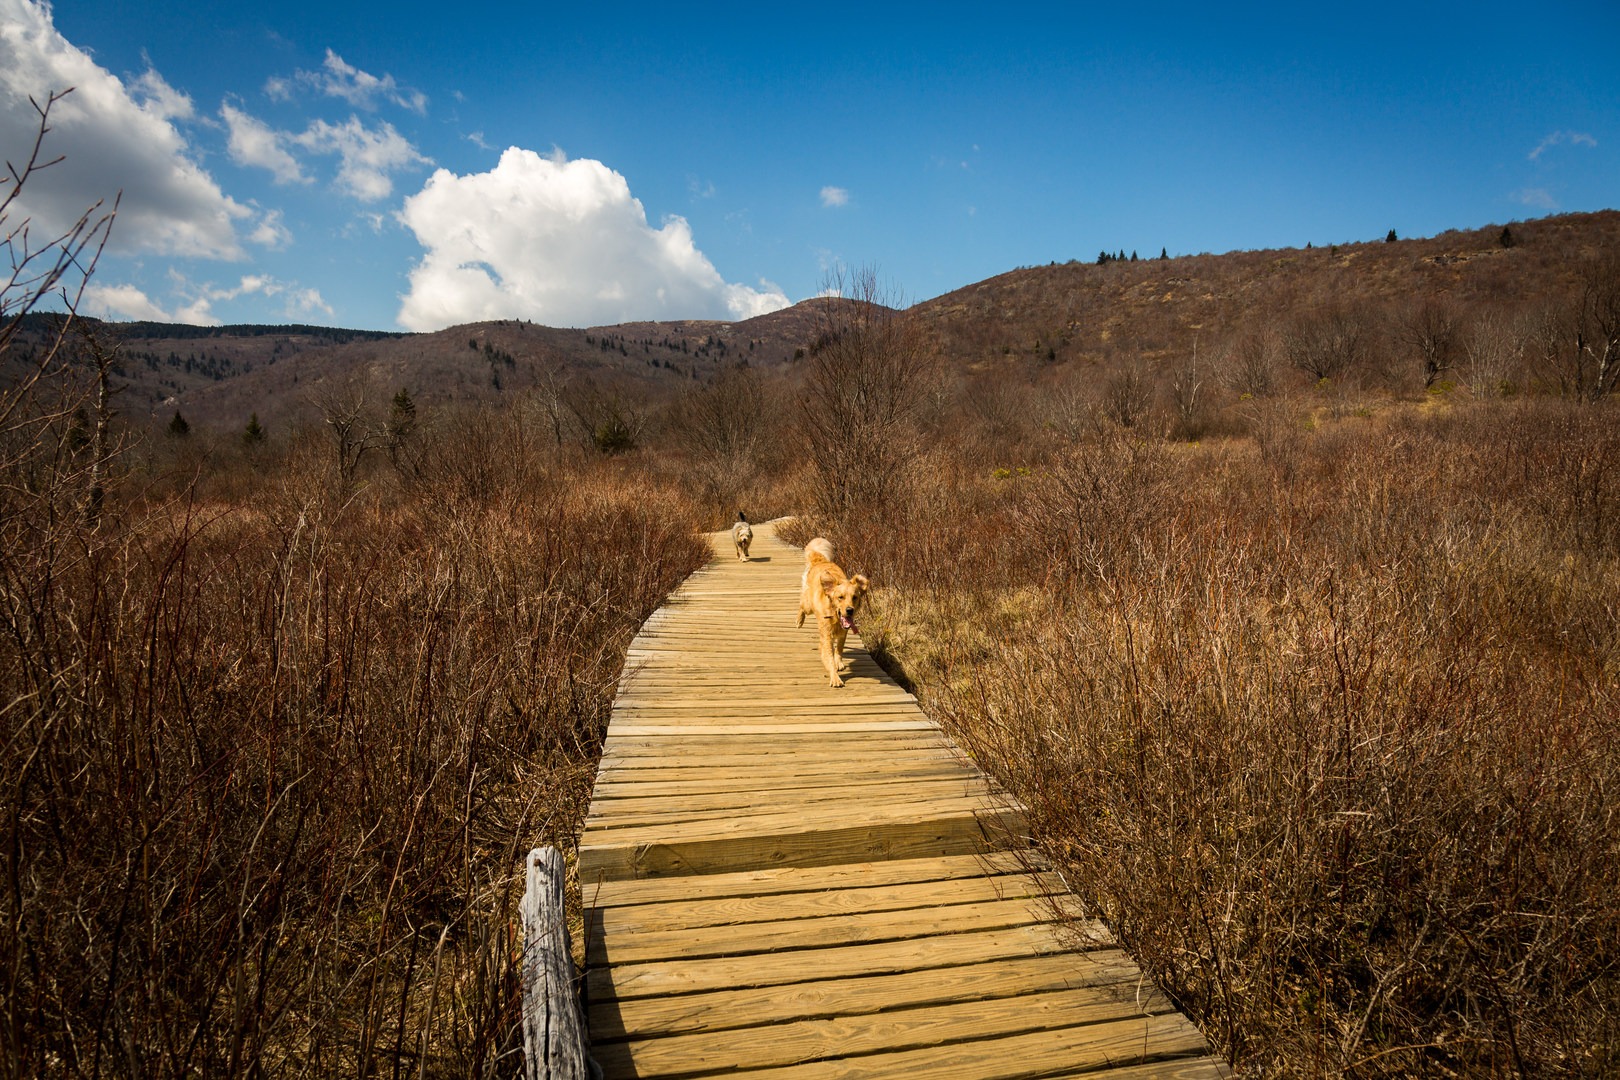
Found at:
[416, 166]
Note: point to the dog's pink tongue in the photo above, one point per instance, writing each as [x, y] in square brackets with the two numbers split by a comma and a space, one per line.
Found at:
[849, 623]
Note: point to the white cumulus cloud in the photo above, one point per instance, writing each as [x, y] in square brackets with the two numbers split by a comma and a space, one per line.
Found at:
[110, 142]
[834, 196]
[562, 243]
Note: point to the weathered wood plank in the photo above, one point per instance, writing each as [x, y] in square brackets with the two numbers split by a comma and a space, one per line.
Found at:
[675, 781]
[1109, 971]
[784, 811]
[623, 981]
[779, 881]
[912, 898]
[732, 730]
[655, 853]
[853, 928]
[1082, 1049]
[611, 812]
[853, 751]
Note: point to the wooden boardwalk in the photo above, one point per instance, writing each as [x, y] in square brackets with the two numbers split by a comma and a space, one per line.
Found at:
[787, 880]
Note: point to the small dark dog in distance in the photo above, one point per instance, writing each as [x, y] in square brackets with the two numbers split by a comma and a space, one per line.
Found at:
[742, 534]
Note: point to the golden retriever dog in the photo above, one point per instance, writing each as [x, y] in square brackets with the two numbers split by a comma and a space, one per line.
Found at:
[742, 534]
[833, 597]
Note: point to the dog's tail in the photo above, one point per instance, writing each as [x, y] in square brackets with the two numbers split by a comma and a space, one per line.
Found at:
[742, 517]
[819, 548]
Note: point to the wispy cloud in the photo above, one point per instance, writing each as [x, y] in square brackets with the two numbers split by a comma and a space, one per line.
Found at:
[340, 79]
[367, 156]
[157, 98]
[297, 300]
[271, 233]
[122, 302]
[834, 196]
[195, 303]
[254, 143]
[1540, 198]
[1562, 138]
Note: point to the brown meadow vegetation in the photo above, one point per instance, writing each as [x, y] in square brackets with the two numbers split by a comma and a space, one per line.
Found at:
[1283, 589]
[1329, 741]
[1322, 716]
[275, 750]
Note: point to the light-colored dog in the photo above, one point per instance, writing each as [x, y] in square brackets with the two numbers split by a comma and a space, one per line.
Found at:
[742, 534]
[833, 597]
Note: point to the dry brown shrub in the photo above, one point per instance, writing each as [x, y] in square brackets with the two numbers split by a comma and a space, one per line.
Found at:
[1332, 748]
[271, 762]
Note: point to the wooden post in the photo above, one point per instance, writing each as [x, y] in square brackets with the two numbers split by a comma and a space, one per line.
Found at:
[555, 1046]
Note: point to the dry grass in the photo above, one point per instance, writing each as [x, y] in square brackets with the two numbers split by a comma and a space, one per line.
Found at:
[1326, 726]
[273, 751]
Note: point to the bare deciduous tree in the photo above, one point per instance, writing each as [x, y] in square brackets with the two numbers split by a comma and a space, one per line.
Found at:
[1329, 343]
[1187, 394]
[41, 273]
[863, 392]
[103, 351]
[1597, 343]
[357, 425]
[1127, 396]
[550, 393]
[1252, 365]
[1574, 347]
[1494, 347]
[607, 419]
[1434, 330]
[723, 425]
[722, 418]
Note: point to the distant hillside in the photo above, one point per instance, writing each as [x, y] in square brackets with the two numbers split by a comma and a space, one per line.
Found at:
[165, 364]
[217, 377]
[1061, 318]
[1150, 308]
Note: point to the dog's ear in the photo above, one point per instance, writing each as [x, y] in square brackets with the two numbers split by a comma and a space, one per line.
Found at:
[829, 581]
[861, 583]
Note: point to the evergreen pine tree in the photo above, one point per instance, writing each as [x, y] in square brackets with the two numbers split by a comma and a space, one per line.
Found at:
[253, 434]
[178, 428]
